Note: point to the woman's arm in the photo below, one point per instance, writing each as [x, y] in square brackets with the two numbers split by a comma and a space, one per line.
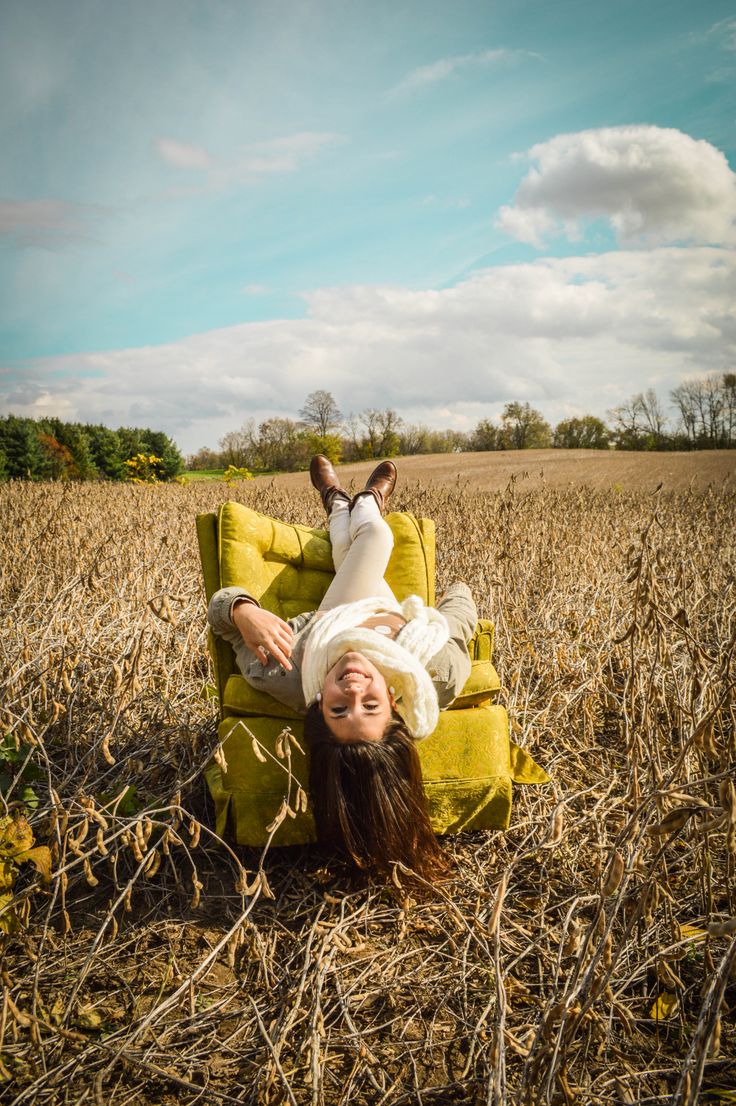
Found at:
[264, 633]
[450, 668]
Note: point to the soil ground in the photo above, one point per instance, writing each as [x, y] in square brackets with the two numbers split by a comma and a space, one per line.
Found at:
[536, 468]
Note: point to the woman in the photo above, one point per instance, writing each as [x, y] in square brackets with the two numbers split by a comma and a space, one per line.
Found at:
[370, 675]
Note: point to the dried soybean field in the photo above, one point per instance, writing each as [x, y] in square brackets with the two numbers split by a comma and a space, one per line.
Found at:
[587, 955]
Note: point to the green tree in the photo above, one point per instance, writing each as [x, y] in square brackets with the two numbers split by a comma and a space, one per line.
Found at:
[330, 445]
[486, 436]
[523, 427]
[131, 442]
[283, 445]
[25, 459]
[106, 450]
[585, 432]
[74, 438]
[160, 444]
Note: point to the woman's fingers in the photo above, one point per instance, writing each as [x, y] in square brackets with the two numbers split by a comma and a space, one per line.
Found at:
[278, 640]
[278, 653]
[265, 633]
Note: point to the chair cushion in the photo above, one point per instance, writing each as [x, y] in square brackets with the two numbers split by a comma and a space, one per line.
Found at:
[466, 767]
[288, 568]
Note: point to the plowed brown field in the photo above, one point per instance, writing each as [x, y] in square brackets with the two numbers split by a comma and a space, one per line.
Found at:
[596, 468]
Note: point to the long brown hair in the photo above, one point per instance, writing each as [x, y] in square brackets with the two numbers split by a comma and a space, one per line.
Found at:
[368, 799]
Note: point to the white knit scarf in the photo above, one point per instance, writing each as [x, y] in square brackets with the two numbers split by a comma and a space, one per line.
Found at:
[401, 661]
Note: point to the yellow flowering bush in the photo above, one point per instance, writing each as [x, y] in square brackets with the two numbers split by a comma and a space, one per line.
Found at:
[233, 473]
[144, 468]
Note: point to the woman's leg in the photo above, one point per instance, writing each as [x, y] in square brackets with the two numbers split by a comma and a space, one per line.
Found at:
[339, 525]
[361, 561]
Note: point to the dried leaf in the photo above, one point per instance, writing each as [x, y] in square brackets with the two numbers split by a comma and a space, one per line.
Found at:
[88, 1018]
[40, 857]
[674, 821]
[9, 921]
[16, 836]
[692, 933]
[666, 1006]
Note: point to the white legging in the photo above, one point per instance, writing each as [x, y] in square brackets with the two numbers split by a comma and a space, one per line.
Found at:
[361, 547]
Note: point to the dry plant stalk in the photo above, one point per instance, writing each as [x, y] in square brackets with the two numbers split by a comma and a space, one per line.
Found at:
[585, 956]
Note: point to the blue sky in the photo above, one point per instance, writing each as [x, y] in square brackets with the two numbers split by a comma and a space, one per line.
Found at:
[208, 210]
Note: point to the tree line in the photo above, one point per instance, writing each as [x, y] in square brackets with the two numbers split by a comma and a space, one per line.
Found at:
[706, 419]
[50, 449]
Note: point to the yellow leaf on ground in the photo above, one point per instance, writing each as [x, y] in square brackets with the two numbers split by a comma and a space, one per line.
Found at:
[16, 836]
[40, 857]
[7, 873]
[9, 922]
[665, 1006]
[88, 1018]
[693, 933]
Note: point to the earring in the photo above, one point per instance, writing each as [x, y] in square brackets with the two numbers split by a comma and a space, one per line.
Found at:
[319, 696]
[392, 690]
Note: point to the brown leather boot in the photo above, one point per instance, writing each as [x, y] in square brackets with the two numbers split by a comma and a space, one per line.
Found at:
[380, 484]
[326, 481]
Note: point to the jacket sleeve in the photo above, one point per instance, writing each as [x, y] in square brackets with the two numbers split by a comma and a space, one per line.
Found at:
[219, 611]
[284, 685]
[450, 667]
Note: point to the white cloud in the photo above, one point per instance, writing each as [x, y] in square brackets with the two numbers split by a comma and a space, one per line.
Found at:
[650, 184]
[248, 163]
[724, 33]
[47, 223]
[568, 334]
[282, 155]
[440, 70]
[182, 155]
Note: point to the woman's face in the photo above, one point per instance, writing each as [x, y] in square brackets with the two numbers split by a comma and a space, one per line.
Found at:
[356, 703]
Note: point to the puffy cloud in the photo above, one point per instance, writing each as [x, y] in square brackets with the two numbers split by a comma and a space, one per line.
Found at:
[652, 185]
[440, 70]
[47, 223]
[571, 335]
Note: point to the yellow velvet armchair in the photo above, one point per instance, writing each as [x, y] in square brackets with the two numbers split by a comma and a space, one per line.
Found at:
[258, 779]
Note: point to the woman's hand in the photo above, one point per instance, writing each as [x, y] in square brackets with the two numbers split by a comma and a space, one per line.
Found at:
[263, 632]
